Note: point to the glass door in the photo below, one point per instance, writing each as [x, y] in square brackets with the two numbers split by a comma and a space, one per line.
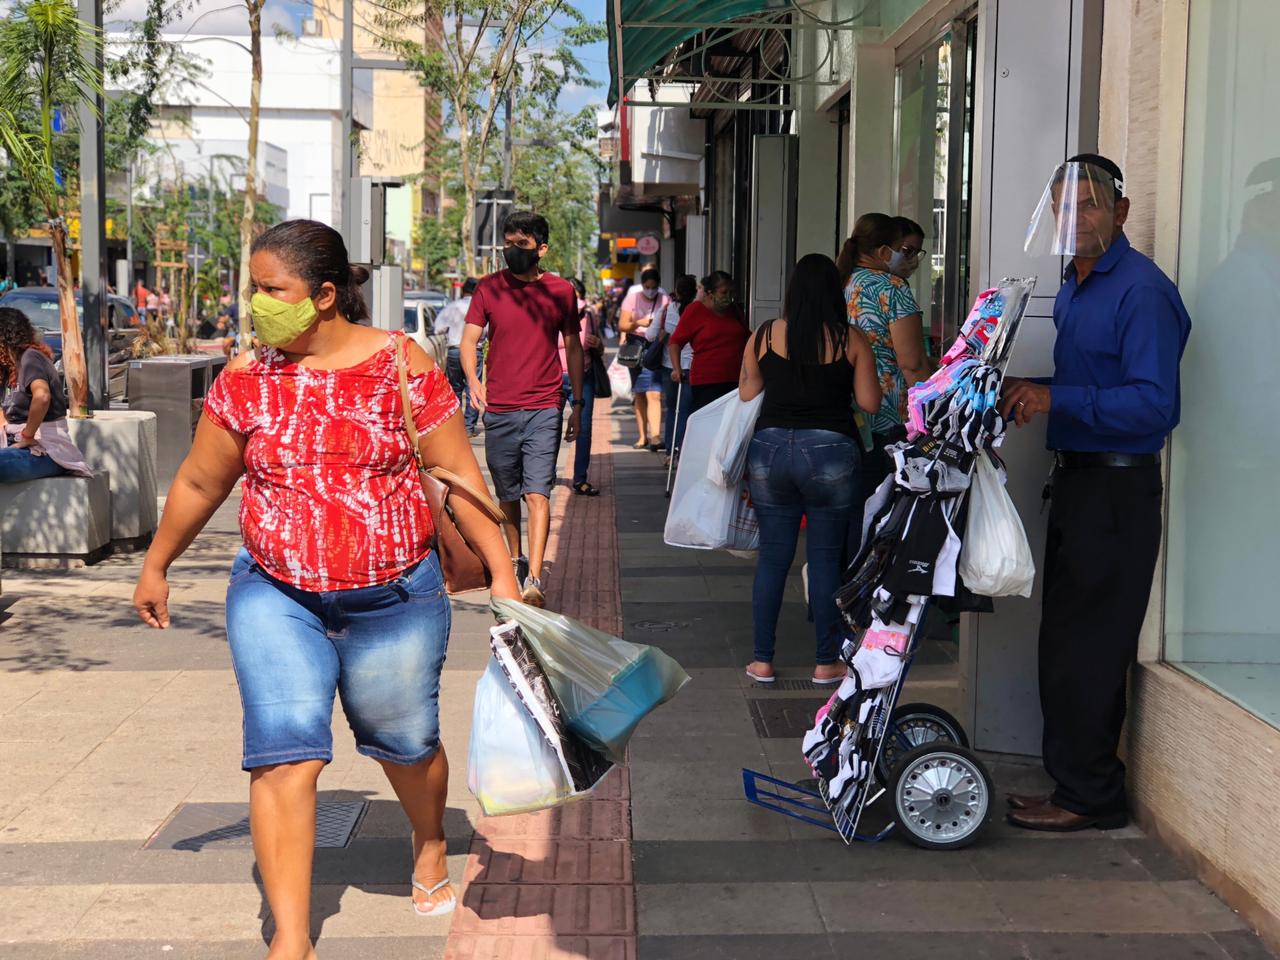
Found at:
[933, 183]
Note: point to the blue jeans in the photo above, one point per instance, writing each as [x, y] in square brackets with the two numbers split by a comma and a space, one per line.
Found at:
[379, 648]
[17, 465]
[582, 446]
[458, 380]
[792, 474]
[673, 427]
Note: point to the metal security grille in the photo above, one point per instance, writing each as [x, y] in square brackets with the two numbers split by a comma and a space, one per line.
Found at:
[196, 826]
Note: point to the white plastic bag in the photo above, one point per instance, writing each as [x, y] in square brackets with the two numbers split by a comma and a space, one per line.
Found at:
[511, 767]
[701, 511]
[729, 450]
[620, 381]
[995, 559]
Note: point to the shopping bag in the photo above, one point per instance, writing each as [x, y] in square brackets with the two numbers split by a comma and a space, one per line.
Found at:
[729, 450]
[605, 685]
[620, 381]
[995, 558]
[523, 756]
[744, 527]
[700, 511]
[511, 767]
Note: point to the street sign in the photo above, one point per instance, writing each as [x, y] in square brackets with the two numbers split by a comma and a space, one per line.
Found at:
[648, 245]
[492, 207]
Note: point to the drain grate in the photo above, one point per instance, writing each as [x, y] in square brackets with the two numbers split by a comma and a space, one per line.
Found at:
[784, 718]
[660, 625]
[199, 825]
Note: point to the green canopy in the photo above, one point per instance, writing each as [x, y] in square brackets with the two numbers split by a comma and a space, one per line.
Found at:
[670, 23]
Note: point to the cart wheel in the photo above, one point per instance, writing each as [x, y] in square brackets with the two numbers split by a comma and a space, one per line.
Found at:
[913, 725]
[941, 796]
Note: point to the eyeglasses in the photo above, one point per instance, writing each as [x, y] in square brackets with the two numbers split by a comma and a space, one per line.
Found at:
[913, 254]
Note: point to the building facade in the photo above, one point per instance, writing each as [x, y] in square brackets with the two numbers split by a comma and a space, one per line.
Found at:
[954, 112]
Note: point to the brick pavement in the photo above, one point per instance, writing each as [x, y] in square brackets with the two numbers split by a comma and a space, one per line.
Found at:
[558, 884]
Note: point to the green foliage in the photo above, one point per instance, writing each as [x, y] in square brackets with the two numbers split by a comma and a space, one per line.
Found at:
[438, 243]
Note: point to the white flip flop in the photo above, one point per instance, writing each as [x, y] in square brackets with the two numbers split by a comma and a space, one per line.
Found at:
[433, 909]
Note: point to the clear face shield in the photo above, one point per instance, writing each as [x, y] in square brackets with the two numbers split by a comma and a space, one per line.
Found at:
[1076, 215]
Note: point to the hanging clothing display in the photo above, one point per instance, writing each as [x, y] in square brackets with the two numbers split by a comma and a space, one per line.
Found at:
[911, 546]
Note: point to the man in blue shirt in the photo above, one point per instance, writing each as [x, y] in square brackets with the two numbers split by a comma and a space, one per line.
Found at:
[1111, 403]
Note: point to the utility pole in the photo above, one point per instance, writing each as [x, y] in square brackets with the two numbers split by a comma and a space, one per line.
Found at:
[93, 218]
[346, 169]
[128, 226]
[508, 141]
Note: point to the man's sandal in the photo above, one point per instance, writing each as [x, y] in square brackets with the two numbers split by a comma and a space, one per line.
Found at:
[430, 909]
[585, 489]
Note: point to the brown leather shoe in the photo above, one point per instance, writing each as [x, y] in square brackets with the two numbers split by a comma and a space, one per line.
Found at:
[1052, 818]
[1026, 801]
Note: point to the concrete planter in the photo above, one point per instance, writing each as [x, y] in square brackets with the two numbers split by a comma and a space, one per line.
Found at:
[56, 522]
[122, 443]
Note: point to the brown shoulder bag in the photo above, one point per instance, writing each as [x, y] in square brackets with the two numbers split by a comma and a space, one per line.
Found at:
[464, 568]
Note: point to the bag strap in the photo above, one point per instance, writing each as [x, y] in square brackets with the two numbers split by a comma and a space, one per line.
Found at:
[447, 477]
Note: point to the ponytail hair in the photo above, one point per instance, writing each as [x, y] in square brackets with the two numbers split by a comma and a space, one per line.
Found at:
[872, 231]
[316, 254]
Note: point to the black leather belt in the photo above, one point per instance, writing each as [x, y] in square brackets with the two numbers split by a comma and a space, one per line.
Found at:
[1071, 460]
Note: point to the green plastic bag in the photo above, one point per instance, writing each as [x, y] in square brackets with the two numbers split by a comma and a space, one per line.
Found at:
[605, 685]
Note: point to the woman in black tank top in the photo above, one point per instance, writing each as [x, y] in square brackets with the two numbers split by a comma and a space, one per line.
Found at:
[803, 459]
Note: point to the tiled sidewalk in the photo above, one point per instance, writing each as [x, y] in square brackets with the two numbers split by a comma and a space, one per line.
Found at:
[558, 884]
[719, 878]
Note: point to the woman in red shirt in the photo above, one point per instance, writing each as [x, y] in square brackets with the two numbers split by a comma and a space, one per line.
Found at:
[337, 589]
[714, 327]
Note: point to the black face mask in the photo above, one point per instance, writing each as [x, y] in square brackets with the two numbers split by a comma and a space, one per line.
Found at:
[520, 260]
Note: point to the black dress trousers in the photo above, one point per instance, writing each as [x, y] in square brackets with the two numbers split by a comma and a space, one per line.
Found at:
[1100, 557]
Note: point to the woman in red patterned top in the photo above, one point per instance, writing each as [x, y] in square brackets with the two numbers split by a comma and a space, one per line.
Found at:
[337, 590]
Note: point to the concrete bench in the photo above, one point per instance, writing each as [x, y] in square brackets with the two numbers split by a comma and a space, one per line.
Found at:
[56, 521]
[122, 443]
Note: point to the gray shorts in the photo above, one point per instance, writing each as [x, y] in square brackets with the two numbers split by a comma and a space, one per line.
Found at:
[521, 448]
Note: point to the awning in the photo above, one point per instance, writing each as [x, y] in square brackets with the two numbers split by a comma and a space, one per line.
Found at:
[643, 32]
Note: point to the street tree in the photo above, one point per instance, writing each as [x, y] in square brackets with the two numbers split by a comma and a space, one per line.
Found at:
[250, 200]
[47, 67]
[487, 49]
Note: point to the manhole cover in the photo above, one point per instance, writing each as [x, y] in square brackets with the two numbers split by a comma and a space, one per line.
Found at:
[660, 625]
[199, 825]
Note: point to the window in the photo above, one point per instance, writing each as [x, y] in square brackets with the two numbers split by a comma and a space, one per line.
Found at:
[932, 183]
[1224, 522]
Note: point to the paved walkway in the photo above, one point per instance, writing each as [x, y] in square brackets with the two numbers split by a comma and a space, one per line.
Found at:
[107, 731]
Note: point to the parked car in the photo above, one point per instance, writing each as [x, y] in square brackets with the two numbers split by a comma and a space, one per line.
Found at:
[435, 298]
[124, 326]
[419, 324]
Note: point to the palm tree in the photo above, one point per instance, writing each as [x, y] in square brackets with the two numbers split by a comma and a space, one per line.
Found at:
[46, 68]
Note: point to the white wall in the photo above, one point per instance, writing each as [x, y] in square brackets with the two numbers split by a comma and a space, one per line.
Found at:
[300, 109]
[310, 138]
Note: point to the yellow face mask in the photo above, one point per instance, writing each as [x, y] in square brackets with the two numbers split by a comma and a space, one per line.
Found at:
[278, 323]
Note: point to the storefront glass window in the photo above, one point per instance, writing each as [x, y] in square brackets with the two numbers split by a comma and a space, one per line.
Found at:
[1224, 522]
[934, 121]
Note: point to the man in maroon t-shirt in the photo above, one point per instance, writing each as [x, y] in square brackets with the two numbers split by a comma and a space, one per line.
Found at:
[522, 396]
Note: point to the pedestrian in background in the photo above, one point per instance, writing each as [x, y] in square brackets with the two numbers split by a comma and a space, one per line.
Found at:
[526, 310]
[673, 397]
[592, 345]
[337, 589]
[714, 326]
[452, 321]
[803, 458]
[1113, 400]
[880, 303]
[909, 250]
[642, 307]
[34, 440]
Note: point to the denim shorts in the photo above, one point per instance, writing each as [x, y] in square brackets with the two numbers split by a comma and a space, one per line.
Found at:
[379, 648]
